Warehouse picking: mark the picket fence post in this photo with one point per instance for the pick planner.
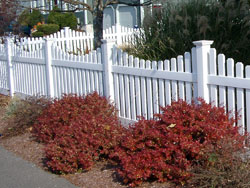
(8, 47)
(202, 60)
(49, 71)
(107, 53)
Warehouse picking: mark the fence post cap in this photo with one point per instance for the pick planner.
(203, 42)
(104, 41)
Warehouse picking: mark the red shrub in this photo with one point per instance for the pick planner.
(167, 147)
(78, 131)
(59, 114)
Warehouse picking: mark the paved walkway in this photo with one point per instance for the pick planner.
(18, 173)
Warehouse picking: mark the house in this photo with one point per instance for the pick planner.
(129, 16)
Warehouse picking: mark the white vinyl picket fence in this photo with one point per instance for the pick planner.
(136, 86)
(78, 42)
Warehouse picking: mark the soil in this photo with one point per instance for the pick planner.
(102, 175)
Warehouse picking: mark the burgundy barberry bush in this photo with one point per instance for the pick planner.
(78, 131)
(166, 148)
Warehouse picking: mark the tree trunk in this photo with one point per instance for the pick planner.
(98, 27)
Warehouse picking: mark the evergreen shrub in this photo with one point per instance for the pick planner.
(38, 34)
(47, 29)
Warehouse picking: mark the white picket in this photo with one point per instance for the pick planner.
(29, 45)
(99, 61)
(188, 87)
(58, 81)
(74, 42)
(126, 86)
(181, 84)
(231, 90)
(25, 72)
(37, 80)
(143, 91)
(39, 75)
(91, 74)
(155, 90)
(122, 90)
(16, 74)
(22, 78)
(79, 82)
(75, 74)
(194, 70)
(222, 73)
(213, 71)
(240, 99)
(32, 77)
(137, 90)
(116, 81)
(43, 80)
(96, 79)
(149, 92)
(55, 76)
(167, 84)
(70, 49)
(84, 89)
(174, 82)
(132, 90)
(87, 75)
(65, 80)
(161, 86)
(71, 80)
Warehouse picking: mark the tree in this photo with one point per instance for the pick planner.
(97, 10)
(8, 14)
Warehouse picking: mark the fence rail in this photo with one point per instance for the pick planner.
(137, 87)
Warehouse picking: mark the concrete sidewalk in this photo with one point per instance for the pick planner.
(18, 173)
